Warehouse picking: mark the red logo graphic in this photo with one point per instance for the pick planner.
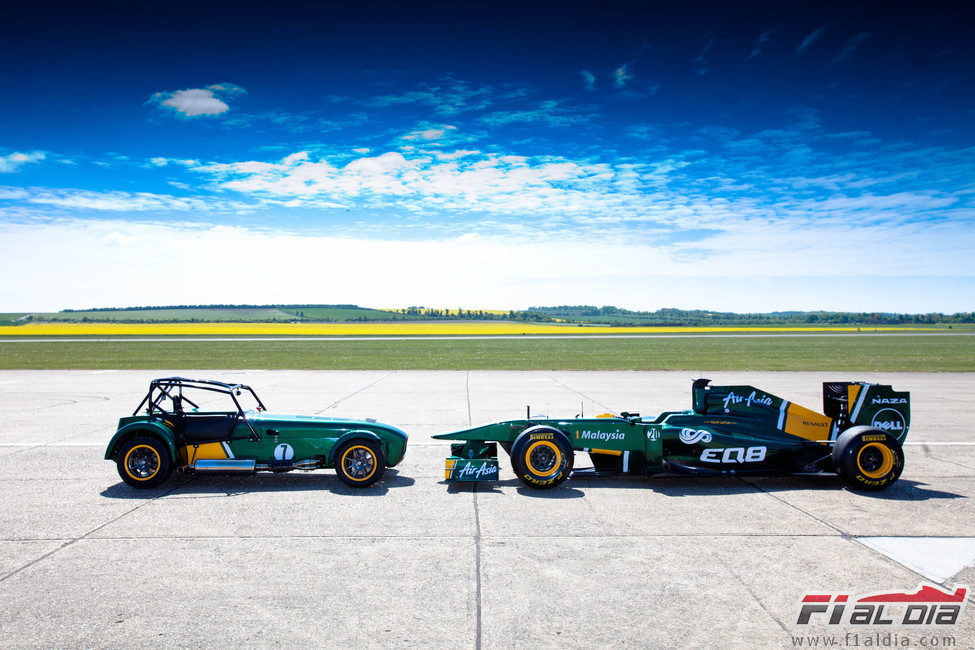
(928, 605)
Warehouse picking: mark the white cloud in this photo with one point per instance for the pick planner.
(14, 161)
(446, 97)
(463, 180)
(810, 39)
(429, 134)
(550, 113)
(114, 201)
(850, 47)
(763, 267)
(621, 75)
(195, 102)
(159, 161)
(588, 80)
(762, 40)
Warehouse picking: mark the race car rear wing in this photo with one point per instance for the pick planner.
(875, 405)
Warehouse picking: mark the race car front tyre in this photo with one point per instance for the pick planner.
(143, 462)
(542, 457)
(868, 459)
(360, 463)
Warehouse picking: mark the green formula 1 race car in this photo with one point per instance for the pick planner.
(729, 430)
(201, 427)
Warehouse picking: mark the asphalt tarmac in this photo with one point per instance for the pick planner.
(301, 560)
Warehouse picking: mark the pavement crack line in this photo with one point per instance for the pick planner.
(852, 539)
(88, 534)
(354, 393)
(751, 593)
(569, 388)
(477, 529)
(60, 441)
(467, 387)
(477, 567)
(842, 534)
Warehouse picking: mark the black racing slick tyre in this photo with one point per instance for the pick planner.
(542, 457)
(143, 462)
(868, 459)
(360, 463)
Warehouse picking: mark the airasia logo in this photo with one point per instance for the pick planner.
(888, 420)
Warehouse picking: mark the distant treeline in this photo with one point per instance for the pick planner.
(582, 314)
(220, 306)
(678, 317)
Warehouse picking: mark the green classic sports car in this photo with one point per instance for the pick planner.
(201, 427)
(728, 430)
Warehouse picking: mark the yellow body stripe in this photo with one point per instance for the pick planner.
(852, 392)
(206, 451)
(800, 421)
(608, 452)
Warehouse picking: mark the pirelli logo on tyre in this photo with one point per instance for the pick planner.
(542, 436)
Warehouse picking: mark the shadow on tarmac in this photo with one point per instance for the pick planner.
(232, 485)
(688, 487)
(902, 490)
(911, 491)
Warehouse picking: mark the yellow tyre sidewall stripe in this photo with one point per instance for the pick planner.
(125, 464)
(885, 468)
(556, 466)
(375, 462)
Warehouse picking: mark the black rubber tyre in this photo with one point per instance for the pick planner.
(143, 462)
(542, 457)
(360, 463)
(868, 459)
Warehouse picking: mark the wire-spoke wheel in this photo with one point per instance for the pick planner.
(143, 462)
(360, 463)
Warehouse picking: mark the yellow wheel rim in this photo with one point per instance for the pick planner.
(875, 460)
(142, 462)
(543, 458)
(359, 463)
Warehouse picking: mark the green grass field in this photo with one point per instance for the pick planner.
(214, 315)
(922, 353)
(10, 319)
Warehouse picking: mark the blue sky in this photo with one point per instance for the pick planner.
(736, 156)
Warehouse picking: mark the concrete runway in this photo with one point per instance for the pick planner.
(300, 560)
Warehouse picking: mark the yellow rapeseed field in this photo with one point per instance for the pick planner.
(375, 329)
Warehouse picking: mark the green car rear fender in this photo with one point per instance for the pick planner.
(144, 428)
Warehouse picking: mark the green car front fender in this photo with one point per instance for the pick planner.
(153, 429)
(354, 435)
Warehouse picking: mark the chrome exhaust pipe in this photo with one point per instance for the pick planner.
(301, 464)
(230, 466)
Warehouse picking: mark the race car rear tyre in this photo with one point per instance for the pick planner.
(867, 458)
(542, 457)
(143, 462)
(360, 463)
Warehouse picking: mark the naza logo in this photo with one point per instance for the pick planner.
(927, 606)
(888, 420)
(888, 400)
